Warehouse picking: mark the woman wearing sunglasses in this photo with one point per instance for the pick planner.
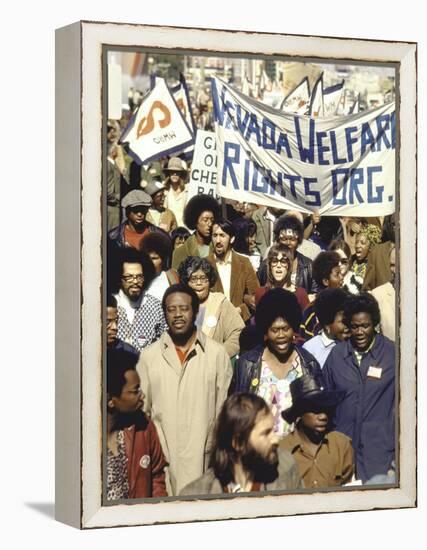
(351, 282)
(279, 275)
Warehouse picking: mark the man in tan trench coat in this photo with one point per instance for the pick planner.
(185, 377)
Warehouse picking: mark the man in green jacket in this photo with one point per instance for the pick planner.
(199, 214)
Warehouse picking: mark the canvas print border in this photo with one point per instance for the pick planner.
(79, 439)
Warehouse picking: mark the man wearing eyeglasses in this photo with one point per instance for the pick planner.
(140, 316)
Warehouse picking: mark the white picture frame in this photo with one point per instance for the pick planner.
(79, 270)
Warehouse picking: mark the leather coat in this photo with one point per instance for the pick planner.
(247, 370)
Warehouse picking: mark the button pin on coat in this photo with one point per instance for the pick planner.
(145, 461)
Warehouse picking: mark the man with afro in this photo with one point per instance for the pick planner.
(199, 215)
(327, 274)
(329, 309)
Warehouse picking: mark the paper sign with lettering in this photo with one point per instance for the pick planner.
(158, 127)
(203, 176)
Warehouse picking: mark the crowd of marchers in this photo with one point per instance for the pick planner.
(248, 348)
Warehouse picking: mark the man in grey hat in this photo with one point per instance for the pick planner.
(157, 213)
(324, 457)
(131, 232)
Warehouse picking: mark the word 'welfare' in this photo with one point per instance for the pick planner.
(318, 147)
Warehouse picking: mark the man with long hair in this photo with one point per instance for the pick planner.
(236, 278)
(245, 456)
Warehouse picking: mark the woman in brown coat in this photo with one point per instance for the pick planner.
(217, 317)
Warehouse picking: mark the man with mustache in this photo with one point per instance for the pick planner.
(185, 376)
(140, 317)
(236, 279)
(245, 456)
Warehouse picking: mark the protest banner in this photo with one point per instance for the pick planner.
(297, 100)
(158, 127)
(355, 107)
(316, 108)
(343, 166)
(274, 98)
(247, 86)
(332, 98)
(182, 98)
(203, 178)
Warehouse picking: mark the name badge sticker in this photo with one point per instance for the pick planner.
(375, 372)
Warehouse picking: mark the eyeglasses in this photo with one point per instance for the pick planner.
(129, 278)
(176, 173)
(195, 279)
(282, 261)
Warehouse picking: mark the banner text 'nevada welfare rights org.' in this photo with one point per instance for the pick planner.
(339, 166)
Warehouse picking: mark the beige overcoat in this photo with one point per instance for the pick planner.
(184, 401)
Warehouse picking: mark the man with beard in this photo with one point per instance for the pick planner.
(245, 456)
(140, 316)
(185, 376)
(236, 277)
(324, 457)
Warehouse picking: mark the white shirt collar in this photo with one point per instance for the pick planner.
(269, 216)
(326, 340)
(227, 259)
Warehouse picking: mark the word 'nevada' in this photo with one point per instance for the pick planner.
(332, 147)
